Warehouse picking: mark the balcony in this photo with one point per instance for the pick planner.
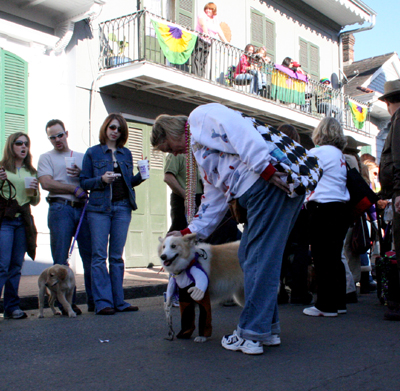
(131, 55)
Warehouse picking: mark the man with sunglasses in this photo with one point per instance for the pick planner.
(66, 201)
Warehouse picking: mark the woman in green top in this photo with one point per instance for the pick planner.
(17, 231)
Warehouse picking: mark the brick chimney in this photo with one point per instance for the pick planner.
(348, 42)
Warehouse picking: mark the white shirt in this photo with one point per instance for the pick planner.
(332, 186)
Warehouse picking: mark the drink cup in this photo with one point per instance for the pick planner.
(144, 168)
(29, 192)
(70, 163)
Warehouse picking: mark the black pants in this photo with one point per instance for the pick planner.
(329, 223)
(178, 218)
(394, 288)
(200, 55)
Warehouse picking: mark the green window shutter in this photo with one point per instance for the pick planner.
(309, 58)
(270, 38)
(13, 95)
(185, 13)
(257, 28)
(303, 55)
(314, 61)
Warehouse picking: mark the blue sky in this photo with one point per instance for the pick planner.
(385, 36)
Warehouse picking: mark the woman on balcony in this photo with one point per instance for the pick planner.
(207, 24)
(263, 60)
(246, 71)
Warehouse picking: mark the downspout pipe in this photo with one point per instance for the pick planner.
(354, 31)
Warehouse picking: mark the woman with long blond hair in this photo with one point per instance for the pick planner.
(17, 231)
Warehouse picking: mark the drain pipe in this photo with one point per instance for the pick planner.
(354, 31)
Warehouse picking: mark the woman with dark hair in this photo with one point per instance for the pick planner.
(287, 62)
(246, 70)
(107, 172)
(17, 231)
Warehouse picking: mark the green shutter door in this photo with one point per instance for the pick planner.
(304, 56)
(314, 62)
(257, 28)
(13, 96)
(149, 221)
(185, 13)
(270, 39)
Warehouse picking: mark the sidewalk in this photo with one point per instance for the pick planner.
(138, 283)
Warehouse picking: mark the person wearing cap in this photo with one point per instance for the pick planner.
(324, 101)
(389, 177)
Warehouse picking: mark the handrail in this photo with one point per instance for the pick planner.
(132, 38)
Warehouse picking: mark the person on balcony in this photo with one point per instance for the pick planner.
(246, 71)
(263, 60)
(324, 101)
(208, 24)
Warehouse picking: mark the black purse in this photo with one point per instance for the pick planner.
(8, 205)
(361, 195)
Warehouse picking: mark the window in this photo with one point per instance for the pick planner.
(185, 13)
(309, 58)
(13, 96)
(263, 32)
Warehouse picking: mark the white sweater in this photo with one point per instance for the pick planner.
(332, 186)
(231, 155)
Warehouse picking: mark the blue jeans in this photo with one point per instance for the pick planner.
(109, 229)
(12, 253)
(63, 221)
(244, 78)
(271, 215)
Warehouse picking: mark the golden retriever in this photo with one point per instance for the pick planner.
(60, 281)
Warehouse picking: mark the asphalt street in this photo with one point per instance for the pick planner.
(127, 351)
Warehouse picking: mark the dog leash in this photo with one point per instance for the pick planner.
(77, 232)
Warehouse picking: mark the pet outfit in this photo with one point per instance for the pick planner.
(194, 275)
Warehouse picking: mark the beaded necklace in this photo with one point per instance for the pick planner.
(191, 177)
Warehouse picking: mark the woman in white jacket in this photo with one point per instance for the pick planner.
(235, 163)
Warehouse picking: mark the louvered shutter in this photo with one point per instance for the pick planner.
(257, 28)
(309, 58)
(270, 38)
(185, 13)
(13, 95)
(135, 143)
(314, 61)
(303, 55)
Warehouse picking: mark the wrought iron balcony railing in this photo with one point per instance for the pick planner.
(134, 38)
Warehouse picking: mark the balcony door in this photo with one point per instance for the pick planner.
(149, 221)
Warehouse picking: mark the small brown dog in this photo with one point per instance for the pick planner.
(60, 280)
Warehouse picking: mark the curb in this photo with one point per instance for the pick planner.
(131, 292)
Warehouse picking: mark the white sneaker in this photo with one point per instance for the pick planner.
(273, 340)
(313, 311)
(235, 343)
(342, 311)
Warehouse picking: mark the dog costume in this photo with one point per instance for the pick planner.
(194, 275)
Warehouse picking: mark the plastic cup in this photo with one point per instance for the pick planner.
(70, 163)
(144, 168)
(29, 192)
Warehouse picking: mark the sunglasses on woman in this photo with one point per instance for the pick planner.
(59, 135)
(20, 143)
(115, 127)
